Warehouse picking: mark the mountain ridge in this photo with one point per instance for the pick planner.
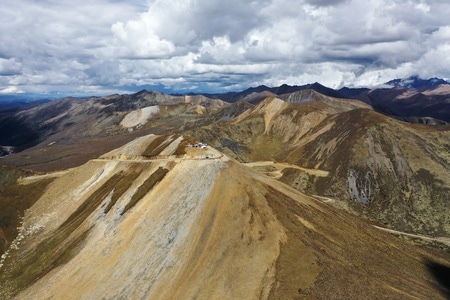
(164, 220)
(369, 158)
(429, 105)
(150, 194)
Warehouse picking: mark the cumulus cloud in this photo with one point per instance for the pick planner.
(209, 45)
(325, 2)
(11, 90)
(52, 43)
(9, 67)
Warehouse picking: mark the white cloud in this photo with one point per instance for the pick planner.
(181, 44)
(140, 41)
(11, 90)
(9, 67)
(325, 2)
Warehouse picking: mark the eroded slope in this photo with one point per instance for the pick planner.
(159, 218)
(393, 172)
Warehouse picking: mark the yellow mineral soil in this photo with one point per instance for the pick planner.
(199, 100)
(39, 177)
(182, 224)
(172, 244)
(139, 116)
(280, 166)
(269, 108)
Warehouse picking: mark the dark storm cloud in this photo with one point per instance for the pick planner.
(102, 45)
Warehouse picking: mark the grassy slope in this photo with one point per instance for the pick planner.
(392, 172)
(208, 228)
(14, 200)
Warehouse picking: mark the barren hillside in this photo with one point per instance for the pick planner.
(68, 132)
(161, 218)
(390, 171)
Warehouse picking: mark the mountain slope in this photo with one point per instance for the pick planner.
(392, 172)
(257, 92)
(68, 132)
(102, 115)
(413, 100)
(232, 111)
(159, 218)
(310, 95)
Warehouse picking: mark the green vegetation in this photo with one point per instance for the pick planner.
(52, 252)
(157, 145)
(61, 246)
(90, 204)
(300, 180)
(8, 176)
(120, 187)
(148, 184)
(14, 200)
(181, 150)
(15, 132)
(297, 266)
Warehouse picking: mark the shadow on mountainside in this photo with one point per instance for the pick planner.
(442, 274)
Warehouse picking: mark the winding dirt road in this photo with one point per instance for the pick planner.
(442, 240)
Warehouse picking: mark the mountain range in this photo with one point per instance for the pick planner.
(411, 99)
(283, 193)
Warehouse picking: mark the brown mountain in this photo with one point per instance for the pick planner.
(408, 104)
(274, 212)
(254, 92)
(423, 101)
(159, 218)
(68, 132)
(390, 171)
(232, 111)
(393, 172)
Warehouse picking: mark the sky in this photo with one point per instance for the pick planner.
(100, 47)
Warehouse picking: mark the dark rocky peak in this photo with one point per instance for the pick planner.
(233, 110)
(258, 89)
(415, 82)
(325, 90)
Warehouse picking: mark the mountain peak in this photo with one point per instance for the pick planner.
(417, 83)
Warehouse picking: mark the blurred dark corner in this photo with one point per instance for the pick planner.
(442, 275)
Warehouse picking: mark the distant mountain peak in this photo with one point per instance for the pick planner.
(417, 83)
